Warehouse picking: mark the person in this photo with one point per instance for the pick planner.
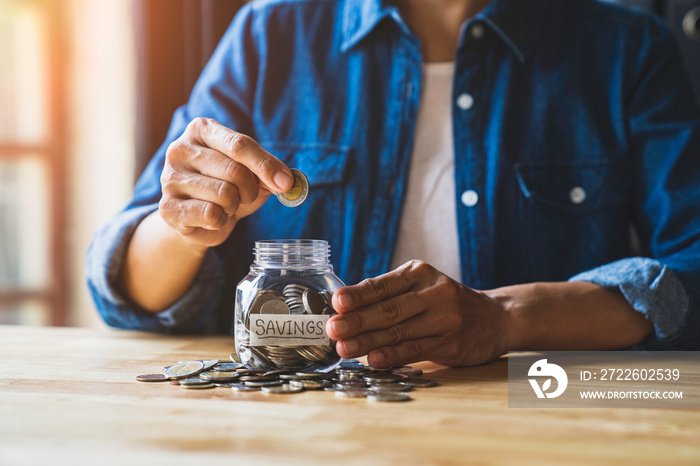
(510, 146)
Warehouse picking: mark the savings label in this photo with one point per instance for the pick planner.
(288, 330)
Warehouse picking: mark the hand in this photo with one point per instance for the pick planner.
(213, 177)
(416, 313)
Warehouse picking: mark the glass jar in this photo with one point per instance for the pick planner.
(282, 307)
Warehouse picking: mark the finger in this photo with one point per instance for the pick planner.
(405, 353)
(195, 186)
(216, 165)
(184, 215)
(381, 315)
(372, 290)
(245, 150)
(421, 326)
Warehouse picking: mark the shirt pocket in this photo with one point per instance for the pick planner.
(572, 216)
(323, 164)
(320, 216)
(575, 188)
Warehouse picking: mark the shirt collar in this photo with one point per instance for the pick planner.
(517, 22)
(360, 17)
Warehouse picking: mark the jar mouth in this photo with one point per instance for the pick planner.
(278, 243)
(292, 252)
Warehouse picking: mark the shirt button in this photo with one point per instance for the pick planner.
(478, 31)
(465, 101)
(470, 198)
(577, 195)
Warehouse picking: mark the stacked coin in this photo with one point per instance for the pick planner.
(294, 299)
(351, 379)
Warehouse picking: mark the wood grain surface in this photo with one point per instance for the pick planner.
(69, 396)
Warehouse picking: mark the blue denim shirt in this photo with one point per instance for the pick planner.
(581, 124)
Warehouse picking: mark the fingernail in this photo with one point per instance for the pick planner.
(351, 346)
(282, 180)
(345, 301)
(340, 327)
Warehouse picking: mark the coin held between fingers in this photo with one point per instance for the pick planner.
(298, 192)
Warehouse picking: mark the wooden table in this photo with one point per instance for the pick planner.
(69, 396)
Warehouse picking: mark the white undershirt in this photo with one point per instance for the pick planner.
(428, 229)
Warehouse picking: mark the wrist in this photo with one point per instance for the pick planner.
(175, 239)
(513, 302)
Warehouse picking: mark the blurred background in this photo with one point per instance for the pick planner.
(87, 90)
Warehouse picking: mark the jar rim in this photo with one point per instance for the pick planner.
(292, 252)
(291, 242)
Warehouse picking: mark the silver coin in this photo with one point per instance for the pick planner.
(234, 358)
(352, 393)
(358, 370)
(241, 387)
(419, 382)
(328, 298)
(388, 396)
(225, 384)
(299, 192)
(219, 376)
(312, 375)
(182, 370)
(310, 384)
(313, 303)
(193, 381)
(262, 383)
(356, 383)
(152, 378)
(276, 373)
(198, 387)
(294, 289)
(381, 377)
(291, 377)
(274, 307)
(392, 387)
(282, 390)
(260, 300)
(209, 364)
(228, 366)
(259, 378)
(407, 371)
(246, 371)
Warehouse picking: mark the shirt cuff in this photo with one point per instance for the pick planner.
(650, 287)
(104, 262)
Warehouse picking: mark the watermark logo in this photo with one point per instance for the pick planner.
(604, 379)
(542, 368)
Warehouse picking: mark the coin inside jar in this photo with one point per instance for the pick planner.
(299, 192)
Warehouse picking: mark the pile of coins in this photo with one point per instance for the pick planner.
(295, 299)
(351, 379)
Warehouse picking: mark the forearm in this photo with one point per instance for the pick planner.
(569, 316)
(160, 265)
